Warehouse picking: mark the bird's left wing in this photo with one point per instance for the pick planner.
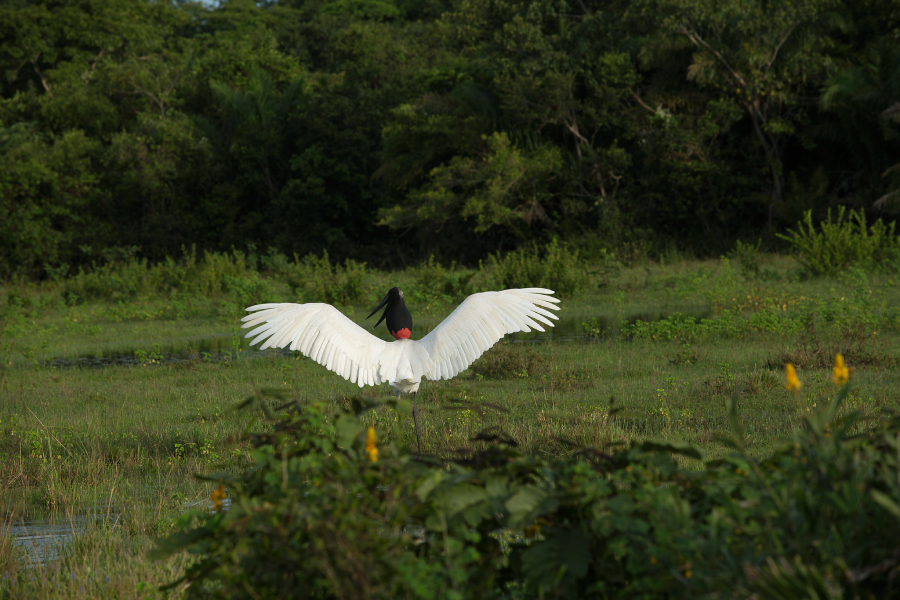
(321, 332)
(477, 324)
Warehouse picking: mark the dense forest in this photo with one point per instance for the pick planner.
(388, 130)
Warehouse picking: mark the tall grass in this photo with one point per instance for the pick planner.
(129, 438)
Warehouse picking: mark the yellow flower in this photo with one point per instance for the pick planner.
(793, 384)
(371, 450)
(841, 373)
(217, 497)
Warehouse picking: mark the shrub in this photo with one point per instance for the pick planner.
(553, 266)
(506, 361)
(315, 517)
(748, 257)
(129, 277)
(435, 283)
(320, 281)
(844, 242)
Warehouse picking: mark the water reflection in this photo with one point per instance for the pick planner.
(225, 348)
(43, 541)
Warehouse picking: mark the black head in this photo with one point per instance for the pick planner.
(393, 295)
(399, 321)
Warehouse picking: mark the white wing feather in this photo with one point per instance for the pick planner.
(323, 333)
(479, 323)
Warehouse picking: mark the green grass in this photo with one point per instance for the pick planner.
(126, 440)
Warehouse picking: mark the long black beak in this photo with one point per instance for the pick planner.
(377, 308)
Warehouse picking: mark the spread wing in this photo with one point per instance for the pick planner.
(321, 332)
(324, 334)
(478, 323)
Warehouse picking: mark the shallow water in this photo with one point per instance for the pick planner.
(214, 349)
(43, 541)
(224, 348)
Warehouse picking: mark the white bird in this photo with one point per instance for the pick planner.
(322, 333)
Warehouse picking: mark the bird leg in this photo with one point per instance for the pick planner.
(416, 424)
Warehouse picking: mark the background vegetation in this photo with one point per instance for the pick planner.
(388, 130)
(165, 164)
(120, 384)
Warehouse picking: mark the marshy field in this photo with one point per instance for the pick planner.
(120, 384)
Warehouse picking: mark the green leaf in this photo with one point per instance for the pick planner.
(348, 429)
(460, 497)
(567, 551)
(886, 502)
(427, 486)
(673, 448)
(525, 501)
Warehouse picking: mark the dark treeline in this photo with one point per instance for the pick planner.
(384, 130)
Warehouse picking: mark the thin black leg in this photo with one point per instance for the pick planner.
(416, 423)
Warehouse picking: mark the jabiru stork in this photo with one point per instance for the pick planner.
(322, 333)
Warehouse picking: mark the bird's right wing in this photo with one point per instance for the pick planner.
(321, 332)
(480, 322)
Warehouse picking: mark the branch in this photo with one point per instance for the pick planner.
(641, 102)
(780, 44)
(41, 75)
(692, 35)
(96, 60)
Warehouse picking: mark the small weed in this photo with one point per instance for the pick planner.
(724, 382)
(594, 329)
(817, 351)
(687, 355)
(748, 257)
(760, 381)
(153, 357)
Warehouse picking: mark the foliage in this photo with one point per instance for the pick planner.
(748, 257)
(317, 518)
(844, 242)
(505, 361)
(760, 55)
(320, 281)
(554, 266)
(380, 130)
(44, 188)
(435, 283)
(497, 190)
(125, 279)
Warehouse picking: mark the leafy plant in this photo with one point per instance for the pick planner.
(553, 266)
(748, 257)
(321, 281)
(436, 283)
(506, 361)
(322, 515)
(844, 242)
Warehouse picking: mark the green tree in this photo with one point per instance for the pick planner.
(44, 187)
(765, 55)
(866, 95)
(502, 188)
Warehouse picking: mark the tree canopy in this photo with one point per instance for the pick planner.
(384, 129)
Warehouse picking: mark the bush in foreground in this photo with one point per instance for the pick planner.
(316, 517)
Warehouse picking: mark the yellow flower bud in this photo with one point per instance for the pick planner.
(841, 372)
(371, 449)
(793, 384)
(217, 497)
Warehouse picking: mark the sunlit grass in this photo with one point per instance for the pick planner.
(126, 440)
